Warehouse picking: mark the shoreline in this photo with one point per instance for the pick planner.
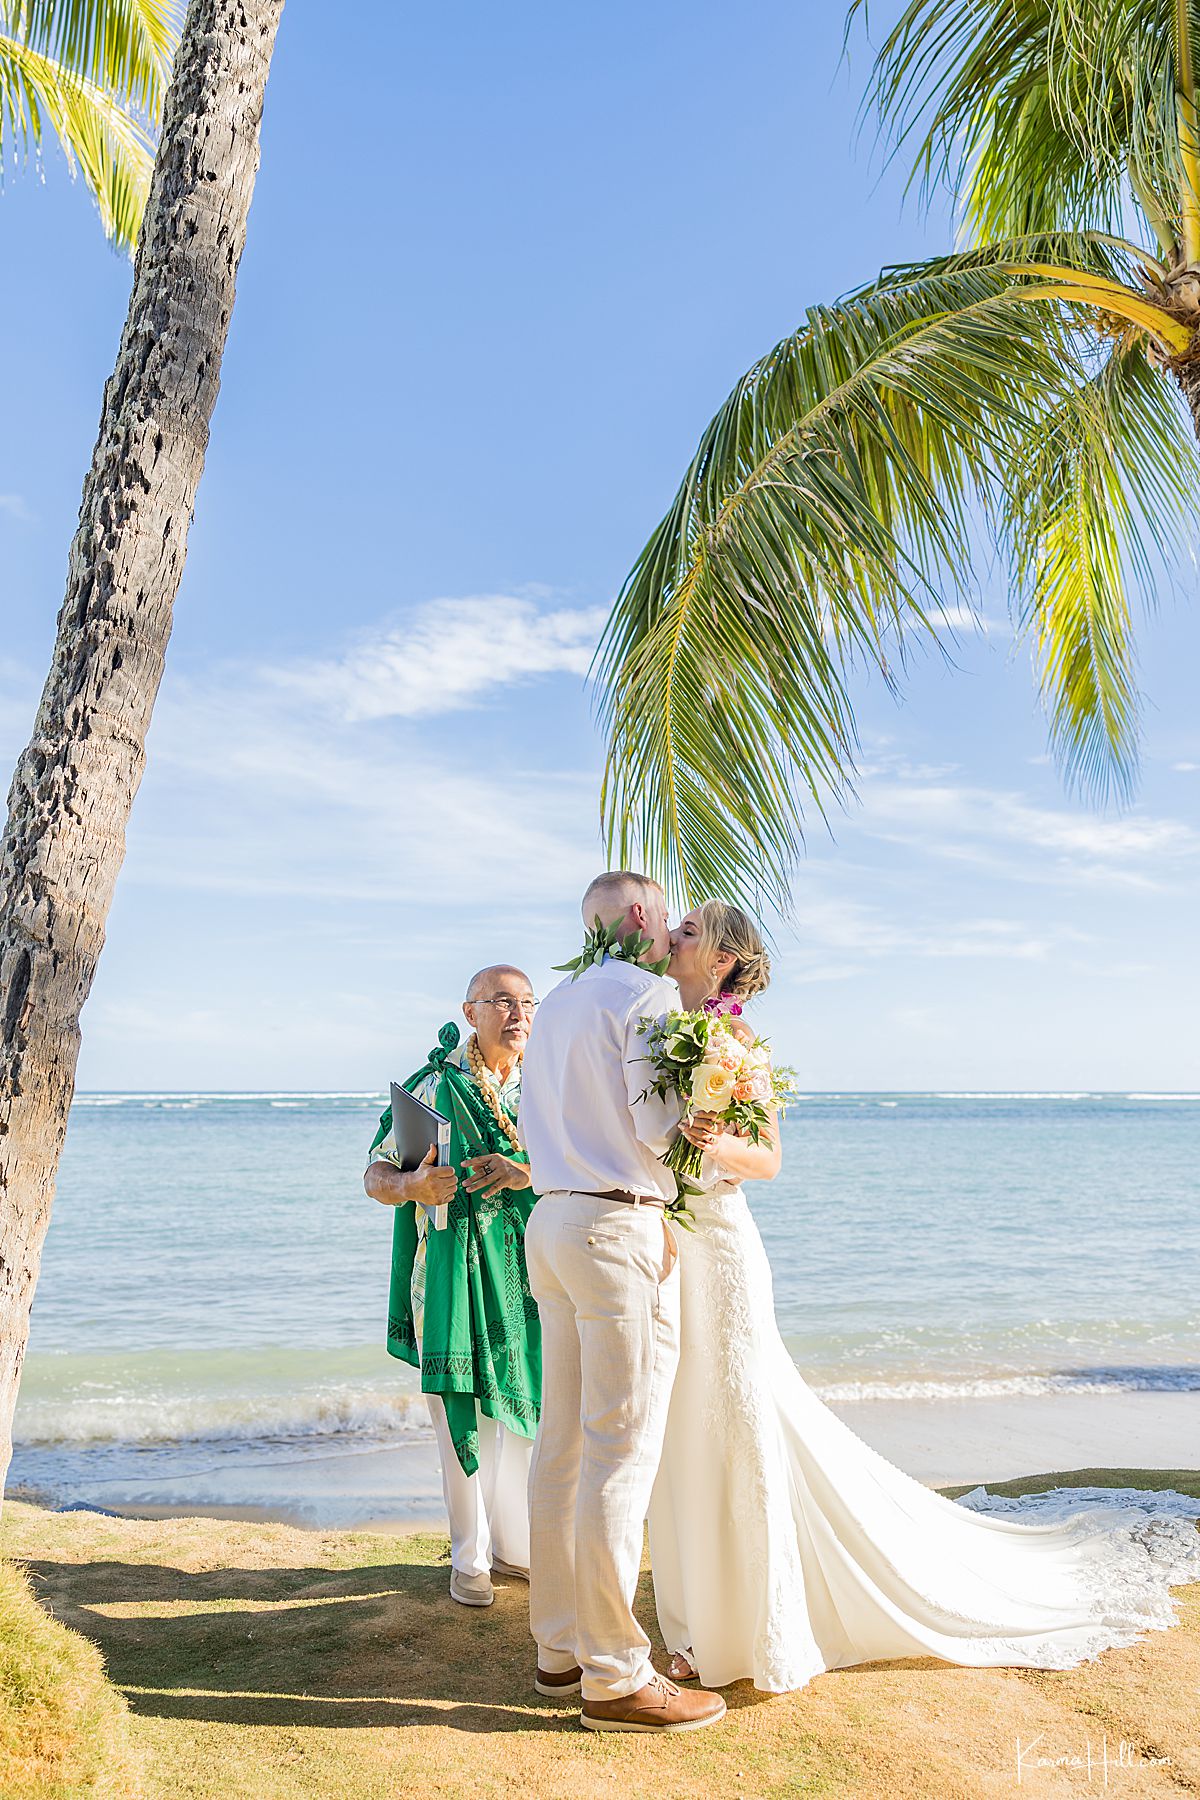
(397, 1488)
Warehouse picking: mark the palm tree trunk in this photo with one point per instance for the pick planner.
(75, 783)
(1188, 377)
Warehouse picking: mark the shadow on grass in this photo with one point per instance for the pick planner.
(367, 1647)
(377, 1646)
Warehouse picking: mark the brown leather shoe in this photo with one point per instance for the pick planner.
(565, 1681)
(659, 1706)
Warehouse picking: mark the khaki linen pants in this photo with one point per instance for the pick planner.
(606, 1280)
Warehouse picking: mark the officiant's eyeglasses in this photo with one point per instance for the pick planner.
(528, 1007)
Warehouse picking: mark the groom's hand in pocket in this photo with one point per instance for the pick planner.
(489, 1175)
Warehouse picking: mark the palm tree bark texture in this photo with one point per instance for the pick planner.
(75, 783)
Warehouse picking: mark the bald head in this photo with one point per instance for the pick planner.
(491, 980)
(499, 1009)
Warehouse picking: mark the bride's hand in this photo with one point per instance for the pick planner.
(702, 1129)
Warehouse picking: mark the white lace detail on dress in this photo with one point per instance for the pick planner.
(1146, 1543)
(738, 1297)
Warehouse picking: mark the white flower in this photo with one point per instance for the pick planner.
(726, 1049)
(712, 1087)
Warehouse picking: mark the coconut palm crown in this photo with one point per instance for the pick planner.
(1039, 386)
(93, 72)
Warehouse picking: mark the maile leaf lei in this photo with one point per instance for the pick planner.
(603, 940)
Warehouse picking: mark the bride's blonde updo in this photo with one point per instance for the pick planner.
(726, 930)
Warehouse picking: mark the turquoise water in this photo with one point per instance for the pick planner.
(214, 1281)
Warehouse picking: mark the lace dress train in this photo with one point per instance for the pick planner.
(783, 1545)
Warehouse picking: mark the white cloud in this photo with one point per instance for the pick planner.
(271, 794)
(1185, 768)
(986, 825)
(16, 507)
(966, 619)
(899, 768)
(831, 928)
(446, 656)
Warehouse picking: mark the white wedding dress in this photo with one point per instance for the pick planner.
(782, 1545)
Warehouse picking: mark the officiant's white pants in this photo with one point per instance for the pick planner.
(488, 1511)
(606, 1280)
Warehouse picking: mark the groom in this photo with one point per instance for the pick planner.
(602, 1268)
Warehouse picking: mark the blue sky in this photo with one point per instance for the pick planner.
(479, 328)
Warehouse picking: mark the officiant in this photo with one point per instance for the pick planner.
(459, 1307)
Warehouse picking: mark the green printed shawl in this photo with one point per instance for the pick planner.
(481, 1342)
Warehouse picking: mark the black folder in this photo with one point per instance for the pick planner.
(418, 1128)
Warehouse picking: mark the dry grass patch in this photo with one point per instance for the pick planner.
(63, 1727)
(264, 1663)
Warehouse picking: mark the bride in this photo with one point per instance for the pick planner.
(781, 1544)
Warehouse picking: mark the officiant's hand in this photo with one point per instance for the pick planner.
(703, 1129)
(429, 1184)
(490, 1175)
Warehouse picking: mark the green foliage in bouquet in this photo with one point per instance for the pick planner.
(682, 1043)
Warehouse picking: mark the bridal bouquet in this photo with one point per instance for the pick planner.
(697, 1056)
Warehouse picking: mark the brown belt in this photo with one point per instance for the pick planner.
(625, 1197)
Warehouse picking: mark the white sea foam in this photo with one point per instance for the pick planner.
(212, 1419)
(1172, 1380)
(1010, 1096)
(299, 1096)
(367, 1414)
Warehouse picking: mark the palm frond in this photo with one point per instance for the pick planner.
(1107, 479)
(830, 492)
(94, 72)
(115, 153)
(1039, 114)
(123, 46)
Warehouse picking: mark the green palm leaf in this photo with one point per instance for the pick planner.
(833, 486)
(1032, 382)
(95, 75)
(1039, 114)
(1108, 478)
(840, 486)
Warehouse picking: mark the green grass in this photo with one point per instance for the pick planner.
(1184, 1481)
(259, 1662)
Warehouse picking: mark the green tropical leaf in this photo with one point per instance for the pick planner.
(836, 473)
(1032, 382)
(95, 75)
(1040, 115)
(1109, 478)
(834, 495)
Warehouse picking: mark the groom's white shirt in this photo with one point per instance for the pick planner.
(583, 1119)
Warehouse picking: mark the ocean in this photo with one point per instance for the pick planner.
(213, 1290)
